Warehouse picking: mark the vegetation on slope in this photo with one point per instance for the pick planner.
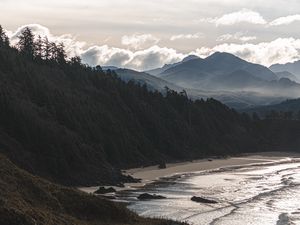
(29, 200)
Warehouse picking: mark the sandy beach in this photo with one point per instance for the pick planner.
(153, 173)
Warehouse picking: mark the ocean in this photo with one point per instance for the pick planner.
(256, 194)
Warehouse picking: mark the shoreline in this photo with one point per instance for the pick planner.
(153, 173)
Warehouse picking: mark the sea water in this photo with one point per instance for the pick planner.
(258, 194)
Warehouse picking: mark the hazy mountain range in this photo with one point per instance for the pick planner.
(223, 76)
(292, 106)
(291, 68)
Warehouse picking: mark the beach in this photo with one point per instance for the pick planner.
(265, 185)
(250, 189)
(153, 173)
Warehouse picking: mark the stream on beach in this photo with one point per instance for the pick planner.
(260, 194)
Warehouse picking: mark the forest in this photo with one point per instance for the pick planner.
(78, 125)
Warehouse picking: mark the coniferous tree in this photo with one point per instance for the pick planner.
(53, 51)
(2, 33)
(61, 54)
(46, 49)
(26, 43)
(76, 60)
(39, 47)
(4, 40)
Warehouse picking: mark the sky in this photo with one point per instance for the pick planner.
(145, 34)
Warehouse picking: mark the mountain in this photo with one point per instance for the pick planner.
(225, 72)
(153, 83)
(157, 71)
(223, 76)
(293, 68)
(238, 99)
(291, 105)
(29, 200)
(285, 74)
(112, 68)
(217, 64)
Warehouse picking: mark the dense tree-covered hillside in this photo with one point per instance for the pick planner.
(75, 124)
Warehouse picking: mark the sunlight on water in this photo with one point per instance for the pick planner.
(257, 194)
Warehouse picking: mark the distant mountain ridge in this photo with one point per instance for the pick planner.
(219, 63)
(223, 76)
(158, 71)
(286, 74)
(291, 105)
(293, 68)
(153, 83)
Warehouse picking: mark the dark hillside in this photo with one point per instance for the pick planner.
(29, 200)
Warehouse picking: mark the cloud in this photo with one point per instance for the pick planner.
(186, 36)
(242, 16)
(143, 59)
(281, 50)
(239, 36)
(285, 20)
(139, 41)
(146, 59)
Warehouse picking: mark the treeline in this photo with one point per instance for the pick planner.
(282, 115)
(78, 125)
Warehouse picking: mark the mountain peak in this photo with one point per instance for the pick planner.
(190, 57)
(222, 55)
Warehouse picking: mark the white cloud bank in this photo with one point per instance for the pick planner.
(239, 36)
(146, 59)
(139, 41)
(281, 50)
(242, 16)
(285, 20)
(251, 17)
(186, 36)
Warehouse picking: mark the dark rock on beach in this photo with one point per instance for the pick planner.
(203, 200)
(103, 190)
(162, 165)
(147, 196)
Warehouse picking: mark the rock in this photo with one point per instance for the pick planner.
(203, 200)
(162, 165)
(109, 197)
(130, 179)
(103, 190)
(147, 196)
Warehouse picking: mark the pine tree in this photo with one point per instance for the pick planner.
(4, 40)
(46, 49)
(53, 51)
(39, 48)
(61, 54)
(26, 43)
(76, 60)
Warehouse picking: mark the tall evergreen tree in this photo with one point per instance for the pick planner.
(76, 60)
(4, 41)
(39, 48)
(46, 49)
(26, 43)
(61, 53)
